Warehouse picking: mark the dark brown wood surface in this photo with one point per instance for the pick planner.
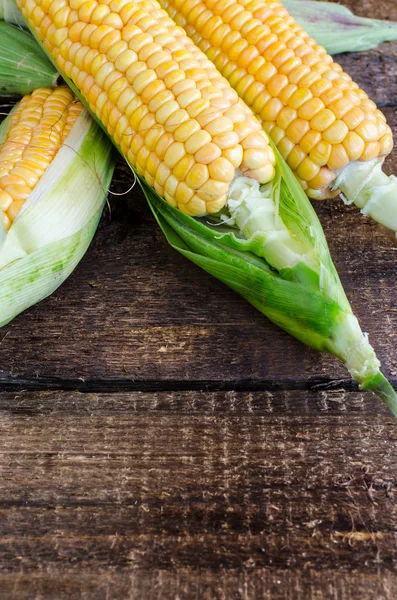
(160, 440)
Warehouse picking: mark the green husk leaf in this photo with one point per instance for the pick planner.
(337, 29)
(300, 307)
(301, 311)
(23, 66)
(53, 230)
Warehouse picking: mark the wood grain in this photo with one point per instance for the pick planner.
(184, 495)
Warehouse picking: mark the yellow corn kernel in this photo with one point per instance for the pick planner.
(234, 154)
(196, 206)
(285, 117)
(320, 154)
(183, 193)
(197, 140)
(354, 145)
(338, 158)
(308, 169)
(208, 153)
(368, 131)
(371, 151)
(197, 176)
(295, 158)
(285, 147)
(297, 130)
(271, 110)
(310, 109)
(221, 169)
(183, 166)
(336, 133)
(324, 178)
(386, 144)
(323, 120)
(212, 189)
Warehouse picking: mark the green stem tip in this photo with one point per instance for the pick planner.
(382, 388)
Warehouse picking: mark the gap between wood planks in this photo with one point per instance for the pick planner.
(93, 385)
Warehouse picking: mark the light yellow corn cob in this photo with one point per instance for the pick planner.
(174, 117)
(38, 128)
(318, 118)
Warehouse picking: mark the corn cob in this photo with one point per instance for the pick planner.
(53, 183)
(326, 128)
(184, 131)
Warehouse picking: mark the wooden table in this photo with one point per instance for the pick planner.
(161, 440)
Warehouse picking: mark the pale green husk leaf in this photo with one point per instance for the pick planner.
(337, 29)
(10, 13)
(23, 66)
(52, 232)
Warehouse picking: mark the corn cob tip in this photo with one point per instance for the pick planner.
(55, 168)
(36, 130)
(318, 118)
(379, 385)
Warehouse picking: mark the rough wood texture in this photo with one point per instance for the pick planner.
(212, 457)
(197, 495)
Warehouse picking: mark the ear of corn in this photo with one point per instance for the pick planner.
(319, 119)
(260, 234)
(336, 28)
(23, 66)
(51, 196)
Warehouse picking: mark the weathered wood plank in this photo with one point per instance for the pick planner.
(376, 9)
(197, 495)
(185, 584)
